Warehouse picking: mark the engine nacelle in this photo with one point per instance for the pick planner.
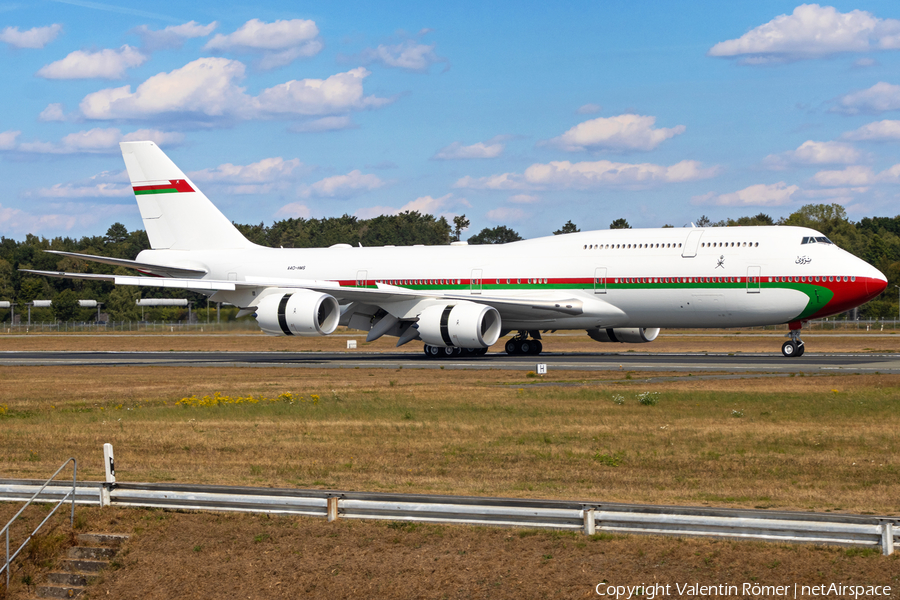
(461, 324)
(629, 335)
(300, 312)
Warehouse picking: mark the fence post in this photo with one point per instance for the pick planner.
(332, 508)
(590, 527)
(887, 538)
(110, 466)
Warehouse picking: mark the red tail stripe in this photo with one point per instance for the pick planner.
(180, 185)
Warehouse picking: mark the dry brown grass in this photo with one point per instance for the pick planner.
(809, 443)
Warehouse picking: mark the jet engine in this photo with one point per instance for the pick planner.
(461, 324)
(300, 312)
(629, 335)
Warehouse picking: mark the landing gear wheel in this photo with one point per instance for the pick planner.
(432, 351)
(538, 347)
(794, 347)
(512, 347)
(448, 352)
(526, 347)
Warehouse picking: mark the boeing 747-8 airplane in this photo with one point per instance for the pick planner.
(618, 285)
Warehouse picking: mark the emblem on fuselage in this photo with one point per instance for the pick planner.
(803, 260)
(721, 262)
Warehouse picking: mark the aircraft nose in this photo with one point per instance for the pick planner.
(876, 283)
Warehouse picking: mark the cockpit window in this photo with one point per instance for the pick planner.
(816, 240)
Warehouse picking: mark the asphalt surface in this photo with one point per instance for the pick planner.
(631, 361)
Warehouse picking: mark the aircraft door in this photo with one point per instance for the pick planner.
(361, 277)
(692, 243)
(753, 280)
(475, 285)
(600, 280)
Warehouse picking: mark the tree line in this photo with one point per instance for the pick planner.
(874, 239)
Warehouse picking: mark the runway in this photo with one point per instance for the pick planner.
(630, 361)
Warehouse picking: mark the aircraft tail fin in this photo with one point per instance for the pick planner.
(176, 214)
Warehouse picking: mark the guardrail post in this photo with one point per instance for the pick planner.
(887, 538)
(332, 508)
(110, 466)
(590, 526)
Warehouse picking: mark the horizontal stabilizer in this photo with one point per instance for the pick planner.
(162, 270)
(170, 282)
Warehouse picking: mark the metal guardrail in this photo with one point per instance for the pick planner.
(39, 494)
(591, 518)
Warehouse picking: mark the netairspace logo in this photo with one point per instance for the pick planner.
(747, 590)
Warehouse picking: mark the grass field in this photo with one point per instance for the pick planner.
(810, 443)
(823, 443)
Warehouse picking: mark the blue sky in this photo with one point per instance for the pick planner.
(519, 114)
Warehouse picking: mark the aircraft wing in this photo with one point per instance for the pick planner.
(383, 294)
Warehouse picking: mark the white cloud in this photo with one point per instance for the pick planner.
(879, 131)
(814, 153)
(589, 109)
(456, 151)
(208, 89)
(620, 133)
(294, 210)
(879, 98)
(506, 214)
(343, 186)
(105, 64)
(441, 206)
(410, 55)
(100, 141)
(811, 31)
(53, 112)
(524, 199)
(340, 93)
(69, 216)
(72, 190)
(36, 37)
(776, 194)
(590, 175)
(206, 86)
(324, 124)
(8, 139)
(262, 177)
(268, 170)
(280, 42)
(432, 206)
(173, 36)
(890, 175)
(853, 176)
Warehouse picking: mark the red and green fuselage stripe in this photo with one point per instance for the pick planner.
(173, 187)
(824, 298)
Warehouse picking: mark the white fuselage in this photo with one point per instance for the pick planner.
(691, 277)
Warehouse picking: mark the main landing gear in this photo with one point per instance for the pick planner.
(439, 352)
(794, 346)
(522, 345)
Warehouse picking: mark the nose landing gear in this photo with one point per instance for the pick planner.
(794, 346)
